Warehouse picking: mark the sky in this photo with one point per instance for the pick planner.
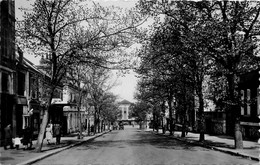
(127, 82)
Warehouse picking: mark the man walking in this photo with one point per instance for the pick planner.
(8, 137)
(57, 132)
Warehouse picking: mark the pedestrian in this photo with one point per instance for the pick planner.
(27, 135)
(17, 142)
(49, 134)
(85, 127)
(8, 137)
(92, 129)
(30, 131)
(57, 132)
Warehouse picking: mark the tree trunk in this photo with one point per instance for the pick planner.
(80, 125)
(95, 123)
(163, 130)
(99, 126)
(40, 138)
(79, 113)
(44, 123)
(234, 109)
(88, 127)
(184, 126)
(153, 121)
(238, 136)
(184, 115)
(102, 125)
(201, 114)
(170, 113)
(157, 123)
(202, 127)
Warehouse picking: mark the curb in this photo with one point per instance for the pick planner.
(210, 147)
(57, 150)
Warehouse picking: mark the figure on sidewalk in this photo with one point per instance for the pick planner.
(17, 142)
(85, 127)
(92, 129)
(57, 133)
(8, 137)
(27, 138)
(49, 134)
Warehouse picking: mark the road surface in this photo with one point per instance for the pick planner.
(133, 146)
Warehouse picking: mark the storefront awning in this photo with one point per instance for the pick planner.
(21, 100)
(64, 104)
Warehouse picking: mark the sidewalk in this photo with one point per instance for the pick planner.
(221, 143)
(21, 157)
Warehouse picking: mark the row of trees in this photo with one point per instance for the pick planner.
(193, 44)
(79, 41)
(93, 86)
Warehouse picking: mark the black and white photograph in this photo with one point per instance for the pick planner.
(129, 82)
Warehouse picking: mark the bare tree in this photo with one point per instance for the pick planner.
(53, 30)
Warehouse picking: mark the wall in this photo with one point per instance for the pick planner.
(215, 123)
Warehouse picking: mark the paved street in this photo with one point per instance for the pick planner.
(133, 146)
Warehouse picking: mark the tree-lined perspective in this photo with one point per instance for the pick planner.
(188, 44)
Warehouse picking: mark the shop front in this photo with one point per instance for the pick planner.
(21, 111)
(32, 118)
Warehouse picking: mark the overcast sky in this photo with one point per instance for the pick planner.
(127, 83)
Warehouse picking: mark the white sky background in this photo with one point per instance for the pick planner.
(126, 83)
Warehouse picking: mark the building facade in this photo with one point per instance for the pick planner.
(74, 117)
(218, 121)
(7, 66)
(250, 109)
(125, 111)
(24, 86)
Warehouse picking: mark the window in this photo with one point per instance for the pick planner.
(26, 121)
(21, 84)
(248, 101)
(5, 82)
(242, 102)
(33, 87)
(4, 42)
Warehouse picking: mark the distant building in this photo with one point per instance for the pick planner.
(125, 111)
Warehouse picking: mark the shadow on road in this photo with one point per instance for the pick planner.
(138, 139)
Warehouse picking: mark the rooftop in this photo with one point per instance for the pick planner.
(125, 102)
